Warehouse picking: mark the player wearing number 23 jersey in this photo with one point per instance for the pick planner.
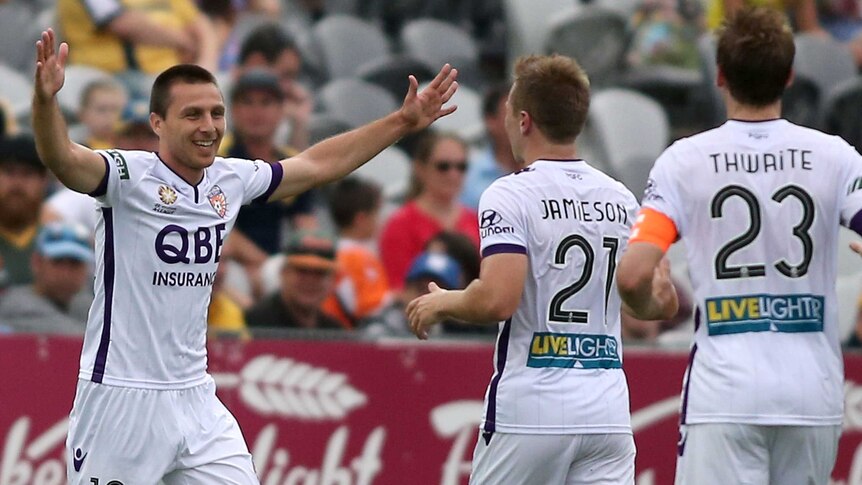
(758, 202)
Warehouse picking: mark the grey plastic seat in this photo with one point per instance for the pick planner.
(632, 131)
(16, 89)
(355, 102)
(390, 169)
(527, 24)
(436, 42)
(77, 78)
(824, 61)
(322, 126)
(596, 37)
(842, 112)
(344, 43)
(17, 46)
(466, 121)
(391, 73)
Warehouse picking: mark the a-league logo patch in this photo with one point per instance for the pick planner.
(167, 194)
(218, 200)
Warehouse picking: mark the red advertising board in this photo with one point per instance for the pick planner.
(349, 413)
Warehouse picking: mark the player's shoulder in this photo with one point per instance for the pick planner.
(234, 165)
(129, 164)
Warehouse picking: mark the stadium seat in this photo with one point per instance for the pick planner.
(15, 88)
(355, 102)
(824, 61)
(391, 73)
(17, 46)
(391, 170)
(436, 42)
(632, 130)
(842, 112)
(596, 37)
(527, 24)
(77, 78)
(801, 102)
(712, 104)
(321, 126)
(467, 120)
(345, 43)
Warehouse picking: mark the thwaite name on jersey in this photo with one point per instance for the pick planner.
(789, 159)
(583, 210)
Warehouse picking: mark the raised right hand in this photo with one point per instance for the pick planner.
(50, 66)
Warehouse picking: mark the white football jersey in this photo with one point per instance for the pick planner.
(558, 360)
(758, 205)
(158, 243)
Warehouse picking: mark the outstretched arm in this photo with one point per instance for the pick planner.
(76, 166)
(338, 156)
(644, 282)
(491, 298)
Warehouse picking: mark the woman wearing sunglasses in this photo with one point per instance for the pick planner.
(432, 206)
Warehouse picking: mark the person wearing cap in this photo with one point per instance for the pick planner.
(23, 183)
(56, 301)
(307, 278)
(256, 104)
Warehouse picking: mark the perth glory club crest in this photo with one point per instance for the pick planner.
(218, 200)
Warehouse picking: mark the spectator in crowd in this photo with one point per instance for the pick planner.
(101, 110)
(461, 248)
(224, 14)
(427, 267)
(270, 47)
(132, 132)
(495, 158)
(8, 126)
(145, 35)
(23, 183)
(361, 288)
(57, 300)
(256, 105)
(307, 277)
(225, 313)
(438, 177)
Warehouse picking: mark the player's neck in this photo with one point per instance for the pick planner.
(191, 175)
(744, 112)
(549, 151)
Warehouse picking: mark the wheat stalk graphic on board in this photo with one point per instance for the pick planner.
(287, 388)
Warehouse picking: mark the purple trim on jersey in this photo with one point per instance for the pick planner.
(194, 186)
(102, 189)
(684, 410)
(102, 353)
(856, 223)
(277, 175)
(503, 248)
(502, 352)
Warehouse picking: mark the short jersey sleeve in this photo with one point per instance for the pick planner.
(661, 193)
(851, 205)
(260, 179)
(122, 169)
(501, 222)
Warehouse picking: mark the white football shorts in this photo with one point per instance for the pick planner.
(130, 436)
(718, 454)
(564, 459)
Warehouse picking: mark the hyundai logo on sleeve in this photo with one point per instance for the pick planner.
(489, 218)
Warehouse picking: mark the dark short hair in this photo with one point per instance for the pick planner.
(160, 98)
(268, 40)
(755, 54)
(351, 196)
(555, 91)
(491, 100)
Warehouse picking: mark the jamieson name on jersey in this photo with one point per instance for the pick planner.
(584, 210)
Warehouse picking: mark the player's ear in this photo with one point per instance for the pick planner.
(156, 123)
(525, 122)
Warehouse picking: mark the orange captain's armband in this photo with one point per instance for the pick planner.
(654, 227)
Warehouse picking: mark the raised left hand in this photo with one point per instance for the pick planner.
(421, 109)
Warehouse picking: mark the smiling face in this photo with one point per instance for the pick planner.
(192, 129)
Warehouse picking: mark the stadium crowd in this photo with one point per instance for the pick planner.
(349, 256)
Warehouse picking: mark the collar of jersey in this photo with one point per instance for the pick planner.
(557, 160)
(770, 120)
(162, 171)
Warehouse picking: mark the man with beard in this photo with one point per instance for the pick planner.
(23, 181)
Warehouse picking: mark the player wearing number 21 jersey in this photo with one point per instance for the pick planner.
(758, 202)
(557, 406)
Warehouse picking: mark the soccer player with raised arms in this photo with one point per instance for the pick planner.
(557, 407)
(145, 408)
(758, 202)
